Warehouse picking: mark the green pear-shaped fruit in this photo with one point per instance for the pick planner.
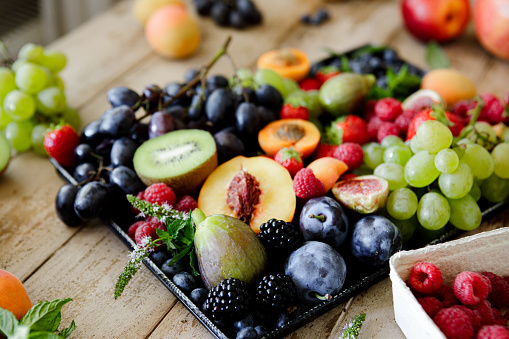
(227, 248)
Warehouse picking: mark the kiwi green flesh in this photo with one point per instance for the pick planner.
(5, 152)
(182, 159)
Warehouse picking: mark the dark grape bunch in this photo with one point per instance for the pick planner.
(235, 13)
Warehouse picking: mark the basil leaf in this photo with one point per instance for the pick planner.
(436, 57)
(42, 316)
(8, 322)
(42, 335)
(67, 331)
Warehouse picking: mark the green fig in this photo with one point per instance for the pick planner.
(227, 248)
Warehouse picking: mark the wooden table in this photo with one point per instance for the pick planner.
(55, 261)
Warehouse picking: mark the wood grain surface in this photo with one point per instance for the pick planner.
(55, 261)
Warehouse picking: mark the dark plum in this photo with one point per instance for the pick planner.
(122, 152)
(323, 219)
(228, 146)
(118, 96)
(92, 134)
(217, 81)
(269, 97)
(316, 269)
(198, 296)
(64, 204)
(91, 200)
(84, 171)
(219, 107)
(247, 121)
(220, 13)
(185, 281)
(84, 153)
(126, 179)
(117, 121)
(374, 240)
(160, 123)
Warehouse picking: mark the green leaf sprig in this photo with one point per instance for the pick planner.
(354, 329)
(178, 238)
(435, 56)
(41, 321)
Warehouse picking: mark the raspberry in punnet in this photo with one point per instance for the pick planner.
(446, 295)
(388, 109)
(474, 316)
(425, 278)
(431, 305)
(159, 193)
(306, 185)
(186, 203)
(351, 154)
(454, 323)
(493, 332)
(485, 311)
(471, 287)
(499, 296)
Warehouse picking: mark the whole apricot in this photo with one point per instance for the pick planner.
(491, 23)
(450, 84)
(13, 296)
(143, 9)
(172, 32)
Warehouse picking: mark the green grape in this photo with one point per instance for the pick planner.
(53, 60)
(393, 173)
(7, 82)
(460, 150)
(433, 136)
(495, 189)
(38, 134)
(505, 134)
(475, 192)
(391, 140)
(31, 78)
(465, 213)
(426, 236)
(447, 161)
(17, 64)
(290, 85)
(19, 105)
(245, 76)
(4, 118)
(479, 160)
(415, 146)
(482, 134)
(50, 101)
(406, 227)
(457, 184)
(420, 170)
(465, 141)
(269, 77)
(72, 117)
(398, 154)
(402, 203)
(362, 170)
(31, 52)
(373, 154)
(500, 156)
(19, 135)
(59, 82)
(433, 211)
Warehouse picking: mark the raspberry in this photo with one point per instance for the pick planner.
(147, 229)
(499, 296)
(485, 311)
(385, 129)
(388, 109)
(506, 316)
(132, 229)
(351, 154)
(369, 109)
(493, 332)
(474, 316)
(425, 278)
(325, 150)
(462, 107)
(160, 193)
(446, 295)
(372, 127)
(454, 323)
(499, 318)
(493, 108)
(186, 203)
(430, 305)
(403, 121)
(306, 185)
(471, 288)
(290, 112)
(309, 84)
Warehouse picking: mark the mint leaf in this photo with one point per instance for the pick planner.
(67, 331)
(43, 335)
(436, 57)
(21, 332)
(368, 50)
(354, 328)
(8, 322)
(42, 317)
(345, 67)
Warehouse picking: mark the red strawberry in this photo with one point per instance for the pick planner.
(452, 121)
(290, 159)
(290, 112)
(349, 128)
(325, 73)
(60, 144)
(324, 150)
(309, 84)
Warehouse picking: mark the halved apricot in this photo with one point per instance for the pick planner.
(328, 170)
(288, 62)
(302, 135)
(252, 189)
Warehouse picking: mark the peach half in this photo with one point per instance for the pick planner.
(253, 190)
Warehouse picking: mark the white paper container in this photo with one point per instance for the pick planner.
(487, 251)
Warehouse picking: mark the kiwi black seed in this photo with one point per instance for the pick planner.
(181, 159)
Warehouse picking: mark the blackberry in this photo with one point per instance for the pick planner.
(229, 300)
(279, 236)
(275, 292)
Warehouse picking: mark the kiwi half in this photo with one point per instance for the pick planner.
(181, 159)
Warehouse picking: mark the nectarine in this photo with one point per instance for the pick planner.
(13, 296)
(143, 9)
(450, 84)
(172, 32)
(491, 22)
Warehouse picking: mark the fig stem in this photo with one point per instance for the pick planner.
(320, 217)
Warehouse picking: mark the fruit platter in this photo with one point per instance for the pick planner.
(374, 72)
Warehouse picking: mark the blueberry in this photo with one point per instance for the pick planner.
(374, 240)
(84, 171)
(316, 269)
(260, 331)
(390, 55)
(323, 219)
(245, 321)
(198, 295)
(247, 333)
(185, 281)
(159, 257)
(171, 270)
(282, 320)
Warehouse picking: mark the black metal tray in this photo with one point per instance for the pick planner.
(357, 280)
